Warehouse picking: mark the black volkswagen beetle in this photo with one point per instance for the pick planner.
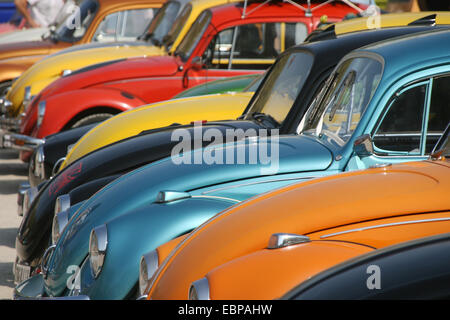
(418, 269)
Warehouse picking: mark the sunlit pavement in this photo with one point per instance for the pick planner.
(12, 173)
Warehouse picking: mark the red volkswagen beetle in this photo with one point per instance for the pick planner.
(228, 40)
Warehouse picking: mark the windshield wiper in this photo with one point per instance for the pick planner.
(265, 120)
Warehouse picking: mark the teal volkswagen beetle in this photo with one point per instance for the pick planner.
(384, 103)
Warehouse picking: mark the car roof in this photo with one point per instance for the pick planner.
(344, 43)
(413, 52)
(112, 3)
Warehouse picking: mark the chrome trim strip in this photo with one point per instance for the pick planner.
(216, 197)
(281, 240)
(384, 226)
(258, 182)
(29, 143)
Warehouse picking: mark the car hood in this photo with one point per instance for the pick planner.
(157, 115)
(25, 48)
(114, 70)
(305, 208)
(141, 187)
(33, 34)
(50, 69)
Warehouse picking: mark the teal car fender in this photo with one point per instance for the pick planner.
(140, 188)
(118, 278)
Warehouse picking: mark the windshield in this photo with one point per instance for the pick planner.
(194, 35)
(282, 86)
(179, 23)
(76, 25)
(338, 108)
(161, 24)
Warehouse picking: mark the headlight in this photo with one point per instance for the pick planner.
(60, 221)
(28, 198)
(39, 157)
(199, 290)
(5, 105)
(62, 203)
(41, 112)
(98, 242)
(147, 268)
(27, 96)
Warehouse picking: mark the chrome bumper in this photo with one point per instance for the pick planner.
(19, 141)
(9, 124)
(33, 289)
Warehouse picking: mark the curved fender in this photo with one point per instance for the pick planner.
(86, 190)
(134, 234)
(14, 68)
(62, 108)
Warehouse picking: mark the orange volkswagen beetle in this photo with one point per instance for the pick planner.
(306, 228)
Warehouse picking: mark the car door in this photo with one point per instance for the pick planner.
(246, 48)
(125, 25)
(411, 123)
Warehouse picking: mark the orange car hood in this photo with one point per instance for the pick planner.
(407, 188)
(29, 48)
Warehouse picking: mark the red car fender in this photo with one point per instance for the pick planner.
(57, 117)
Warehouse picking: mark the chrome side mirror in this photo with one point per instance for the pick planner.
(363, 146)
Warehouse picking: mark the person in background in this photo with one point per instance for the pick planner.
(33, 14)
(39, 13)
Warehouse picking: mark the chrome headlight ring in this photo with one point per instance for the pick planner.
(28, 199)
(39, 159)
(60, 221)
(27, 96)
(41, 113)
(147, 268)
(199, 290)
(5, 105)
(98, 242)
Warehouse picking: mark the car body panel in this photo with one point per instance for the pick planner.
(232, 84)
(160, 114)
(51, 68)
(426, 260)
(14, 53)
(269, 273)
(96, 210)
(279, 211)
(139, 76)
(297, 161)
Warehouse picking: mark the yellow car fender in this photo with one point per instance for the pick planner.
(161, 114)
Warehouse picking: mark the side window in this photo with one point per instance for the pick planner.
(439, 114)
(401, 128)
(124, 25)
(253, 46)
(296, 33)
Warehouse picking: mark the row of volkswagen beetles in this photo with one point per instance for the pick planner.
(219, 149)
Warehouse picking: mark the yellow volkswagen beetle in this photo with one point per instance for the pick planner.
(158, 41)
